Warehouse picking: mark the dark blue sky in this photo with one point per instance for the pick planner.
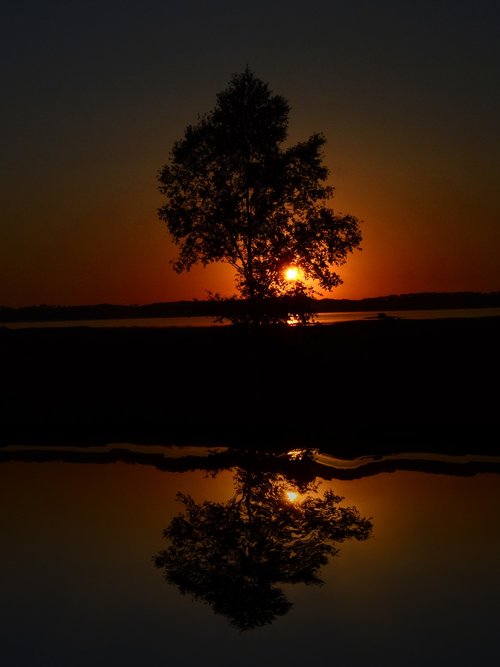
(95, 93)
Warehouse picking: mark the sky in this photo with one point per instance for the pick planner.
(95, 92)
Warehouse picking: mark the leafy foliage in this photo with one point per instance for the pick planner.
(234, 194)
(231, 555)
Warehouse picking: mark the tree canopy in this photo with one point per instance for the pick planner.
(273, 530)
(236, 193)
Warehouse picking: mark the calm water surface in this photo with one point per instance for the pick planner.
(204, 321)
(80, 586)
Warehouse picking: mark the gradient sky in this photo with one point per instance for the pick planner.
(94, 93)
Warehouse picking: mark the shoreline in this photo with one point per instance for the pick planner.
(207, 307)
(314, 464)
(327, 317)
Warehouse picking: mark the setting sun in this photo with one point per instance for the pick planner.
(292, 273)
(291, 496)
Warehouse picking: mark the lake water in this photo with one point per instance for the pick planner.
(204, 321)
(80, 586)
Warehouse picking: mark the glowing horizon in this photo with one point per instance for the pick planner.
(413, 160)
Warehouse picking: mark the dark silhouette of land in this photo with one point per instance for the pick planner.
(416, 301)
(308, 468)
(377, 383)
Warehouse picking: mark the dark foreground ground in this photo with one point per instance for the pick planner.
(394, 384)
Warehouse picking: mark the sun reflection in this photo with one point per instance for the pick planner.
(297, 454)
(291, 496)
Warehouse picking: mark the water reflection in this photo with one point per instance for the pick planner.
(275, 529)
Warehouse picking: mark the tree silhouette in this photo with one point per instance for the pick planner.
(232, 555)
(235, 195)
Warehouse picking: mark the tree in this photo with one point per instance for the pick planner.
(235, 194)
(272, 531)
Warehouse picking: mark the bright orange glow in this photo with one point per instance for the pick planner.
(291, 496)
(292, 273)
(296, 454)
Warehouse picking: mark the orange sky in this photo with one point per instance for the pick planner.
(406, 97)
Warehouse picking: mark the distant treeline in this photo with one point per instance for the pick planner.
(416, 301)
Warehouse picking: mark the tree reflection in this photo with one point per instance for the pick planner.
(271, 531)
